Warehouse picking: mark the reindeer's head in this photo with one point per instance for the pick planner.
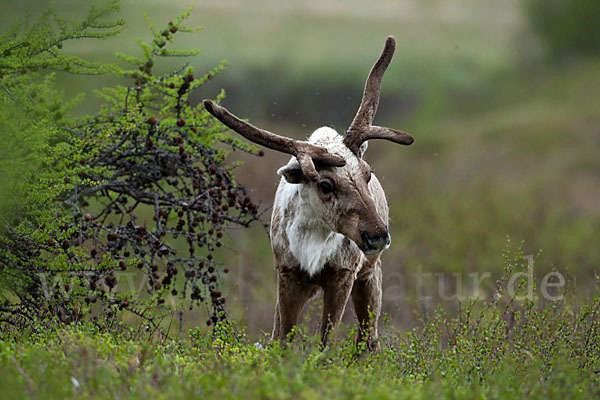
(331, 168)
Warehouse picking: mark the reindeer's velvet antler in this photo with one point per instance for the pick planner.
(361, 128)
(306, 153)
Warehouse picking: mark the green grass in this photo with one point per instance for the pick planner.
(498, 347)
(550, 353)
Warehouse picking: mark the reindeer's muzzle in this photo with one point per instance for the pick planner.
(374, 243)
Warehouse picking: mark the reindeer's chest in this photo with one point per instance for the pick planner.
(298, 241)
(313, 249)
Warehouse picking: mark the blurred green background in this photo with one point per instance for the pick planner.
(502, 97)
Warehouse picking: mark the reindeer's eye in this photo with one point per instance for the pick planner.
(325, 187)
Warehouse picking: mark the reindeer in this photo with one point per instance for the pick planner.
(329, 223)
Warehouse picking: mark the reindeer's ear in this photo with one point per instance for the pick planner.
(292, 173)
(362, 149)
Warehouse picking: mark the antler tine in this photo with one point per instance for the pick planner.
(360, 129)
(249, 131)
(370, 100)
(305, 152)
(394, 135)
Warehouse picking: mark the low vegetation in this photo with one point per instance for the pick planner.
(499, 348)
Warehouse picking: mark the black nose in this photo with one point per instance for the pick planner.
(377, 242)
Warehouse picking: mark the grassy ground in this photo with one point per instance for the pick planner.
(501, 347)
(522, 352)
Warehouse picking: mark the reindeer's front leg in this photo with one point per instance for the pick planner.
(292, 294)
(337, 285)
(366, 297)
